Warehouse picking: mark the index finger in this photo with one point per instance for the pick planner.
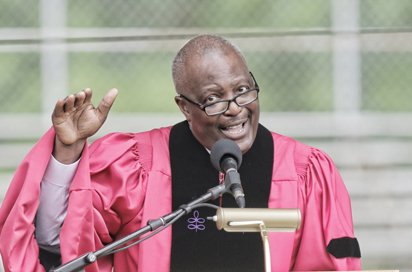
(59, 108)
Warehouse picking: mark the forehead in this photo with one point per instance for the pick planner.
(216, 66)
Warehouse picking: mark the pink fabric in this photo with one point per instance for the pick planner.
(124, 180)
(18, 247)
(306, 178)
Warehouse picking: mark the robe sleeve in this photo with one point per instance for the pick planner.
(327, 240)
(106, 200)
(105, 196)
(18, 246)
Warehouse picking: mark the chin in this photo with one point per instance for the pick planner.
(245, 145)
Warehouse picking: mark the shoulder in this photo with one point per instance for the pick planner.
(285, 144)
(133, 146)
(119, 139)
(303, 156)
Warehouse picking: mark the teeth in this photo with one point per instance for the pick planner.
(234, 129)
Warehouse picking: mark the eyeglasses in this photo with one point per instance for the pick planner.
(222, 106)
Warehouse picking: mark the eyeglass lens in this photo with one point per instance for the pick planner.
(240, 100)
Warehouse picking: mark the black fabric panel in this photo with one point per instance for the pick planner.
(197, 245)
(344, 247)
(49, 259)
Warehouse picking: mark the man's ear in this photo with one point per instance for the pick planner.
(183, 106)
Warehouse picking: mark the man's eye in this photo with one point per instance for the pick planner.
(243, 89)
(211, 99)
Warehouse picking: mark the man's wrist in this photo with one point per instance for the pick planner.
(67, 154)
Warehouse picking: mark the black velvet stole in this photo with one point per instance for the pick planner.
(197, 245)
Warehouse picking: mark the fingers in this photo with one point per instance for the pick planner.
(88, 94)
(107, 102)
(59, 108)
(69, 103)
(63, 106)
(79, 98)
(75, 101)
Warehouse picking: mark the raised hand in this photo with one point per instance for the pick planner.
(75, 119)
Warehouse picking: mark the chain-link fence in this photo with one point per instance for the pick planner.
(294, 48)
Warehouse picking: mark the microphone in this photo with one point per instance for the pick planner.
(226, 157)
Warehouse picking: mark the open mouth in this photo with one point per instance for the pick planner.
(234, 129)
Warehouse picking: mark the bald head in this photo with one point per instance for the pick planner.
(195, 48)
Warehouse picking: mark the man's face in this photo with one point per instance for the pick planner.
(214, 77)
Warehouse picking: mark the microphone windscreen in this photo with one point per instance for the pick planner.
(225, 148)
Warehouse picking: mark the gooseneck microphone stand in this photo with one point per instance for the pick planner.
(152, 225)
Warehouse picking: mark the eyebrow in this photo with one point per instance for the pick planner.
(236, 82)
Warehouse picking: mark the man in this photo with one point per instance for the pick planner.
(123, 180)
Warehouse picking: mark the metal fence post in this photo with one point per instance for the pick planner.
(53, 55)
(346, 56)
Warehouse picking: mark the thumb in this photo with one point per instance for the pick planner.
(104, 106)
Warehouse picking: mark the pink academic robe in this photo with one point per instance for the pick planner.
(123, 180)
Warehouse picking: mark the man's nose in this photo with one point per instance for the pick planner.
(233, 108)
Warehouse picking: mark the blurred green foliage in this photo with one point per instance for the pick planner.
(199, 13)
(19, 13)
(143, 80)
(290, 81)
(293, 81)
(387, 81)
(20, 82)
(384, 13)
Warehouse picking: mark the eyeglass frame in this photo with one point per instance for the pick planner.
(233, 99)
